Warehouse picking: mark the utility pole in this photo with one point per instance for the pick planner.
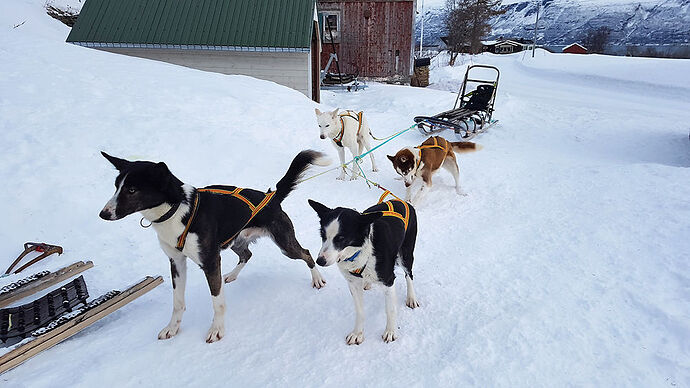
(536, 28)
(421, 35)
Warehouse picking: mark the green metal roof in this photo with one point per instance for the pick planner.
(270, 25)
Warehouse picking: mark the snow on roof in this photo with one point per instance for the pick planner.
(574, 44)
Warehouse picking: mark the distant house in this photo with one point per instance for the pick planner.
(275, 40)
(575, 48)
(371, 37)
(504, 46)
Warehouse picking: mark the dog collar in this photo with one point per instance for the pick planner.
(353, 257)
(167, 214)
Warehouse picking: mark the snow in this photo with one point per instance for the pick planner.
(567, 263)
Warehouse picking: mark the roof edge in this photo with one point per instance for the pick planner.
(192, 47)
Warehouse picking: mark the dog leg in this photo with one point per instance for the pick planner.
(242, 250)
(178, 270)
(452, 167)
(355, 169)
(356, 337)
(341, 155)
(215, 284)
(391, 315)
(424, 186)
(411, 297)
(282, 232)
(365, 141)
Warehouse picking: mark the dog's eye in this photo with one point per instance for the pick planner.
(338, 239)
(131, 190)
(328, 124)
(403, 159)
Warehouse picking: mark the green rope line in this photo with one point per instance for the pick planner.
(358, 158)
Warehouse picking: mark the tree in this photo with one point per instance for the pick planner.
(467, 22)
(596, 39)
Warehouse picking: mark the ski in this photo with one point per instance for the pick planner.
(39, 281)
(73, 322)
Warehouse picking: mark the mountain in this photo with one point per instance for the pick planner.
(566, 21)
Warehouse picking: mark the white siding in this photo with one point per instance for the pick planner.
(285, 68)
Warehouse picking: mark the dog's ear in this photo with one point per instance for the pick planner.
(391, 158)
(119, 164)
(318, 208)
(318, 112)
(368, 218)
(335, 112)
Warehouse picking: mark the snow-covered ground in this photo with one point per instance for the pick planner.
(567, 263)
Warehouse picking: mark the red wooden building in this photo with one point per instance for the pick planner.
(575, 48)
(373, 38)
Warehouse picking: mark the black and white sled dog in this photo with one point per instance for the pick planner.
(366, 247)
(199, 223)
(348, 129)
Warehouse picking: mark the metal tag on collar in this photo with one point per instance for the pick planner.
(353, 257)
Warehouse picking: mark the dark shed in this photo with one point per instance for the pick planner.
(372, 37)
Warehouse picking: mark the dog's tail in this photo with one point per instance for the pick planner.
(298, 167)
(465, 146)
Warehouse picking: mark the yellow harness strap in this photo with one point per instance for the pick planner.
(353, 115)
(445, 147)
(391, 211)
(255, 209)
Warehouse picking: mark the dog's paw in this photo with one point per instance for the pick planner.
(375, 169)
(460, 192)
(215, 333)
(367, 286)
(412, 303)
(389, 336)
(168, 332)
(317, 281)
(354, 177)
(231, 277)
(355, 338)
(341, 177)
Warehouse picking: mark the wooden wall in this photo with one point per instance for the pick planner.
(370, 34)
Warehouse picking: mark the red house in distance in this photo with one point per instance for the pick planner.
(575, 48)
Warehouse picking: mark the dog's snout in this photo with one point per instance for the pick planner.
(323, 136)
(106, 215)
(321, 261)
(407, 184)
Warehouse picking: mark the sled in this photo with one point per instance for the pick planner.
(39, 281)
(473, 110)
(338, 80)
(79, 315)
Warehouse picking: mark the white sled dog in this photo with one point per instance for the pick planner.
(348, 129)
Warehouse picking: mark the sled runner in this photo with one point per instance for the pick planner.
(60, 314)
(473, 110)
(39, 281)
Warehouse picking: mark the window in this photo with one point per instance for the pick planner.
(331, 26)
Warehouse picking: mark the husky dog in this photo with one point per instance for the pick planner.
(198, 223)
(425, 160)
(366, 247)
(348, 129)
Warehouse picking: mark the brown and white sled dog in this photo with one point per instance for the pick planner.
(418, 164)
(197, 223)
(348, 129)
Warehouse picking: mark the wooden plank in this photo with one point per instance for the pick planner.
(61, 333)
(45, 282)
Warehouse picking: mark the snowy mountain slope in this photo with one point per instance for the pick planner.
(565, 265)
(565, 21)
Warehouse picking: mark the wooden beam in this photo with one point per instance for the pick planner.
(45, 282)
(22, 353)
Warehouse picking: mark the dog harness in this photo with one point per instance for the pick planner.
(254, 210)
(391, 212)
(357, 116)
(446, 147)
